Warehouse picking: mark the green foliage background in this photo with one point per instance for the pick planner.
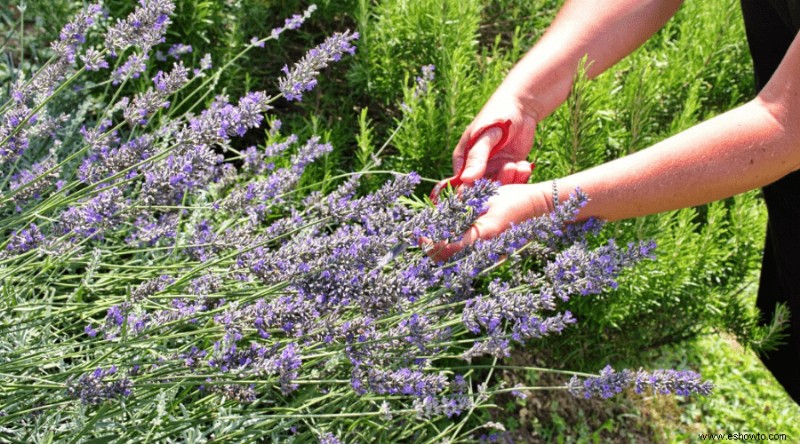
(703, 280)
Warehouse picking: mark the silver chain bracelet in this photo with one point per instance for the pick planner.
(555, 194)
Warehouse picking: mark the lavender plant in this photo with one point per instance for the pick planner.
(157, 284)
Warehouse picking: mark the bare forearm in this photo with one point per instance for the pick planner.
(603, 33)
(743, 149)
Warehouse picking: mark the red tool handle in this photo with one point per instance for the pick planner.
(456, 181)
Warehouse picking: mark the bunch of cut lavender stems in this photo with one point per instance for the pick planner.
(157, 284)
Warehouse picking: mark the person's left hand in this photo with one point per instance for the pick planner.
(513, 204)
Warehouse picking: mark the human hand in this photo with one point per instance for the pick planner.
(509, 165)
(513, 204)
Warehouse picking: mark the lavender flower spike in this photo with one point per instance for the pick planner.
(165, 84)
(303, 75)
(424, 81)
(24, 181)
(662, 382)
(92, 388)
(329, 438)
(134, 66)
(73, 34)
(94, 60)
(24, 240)
(403, 382)
(15, 122)
(422, 86)
(293, 22)
(95, 215)
(144, 27)
(604, 386)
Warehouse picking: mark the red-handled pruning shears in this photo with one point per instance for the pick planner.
(456, 181)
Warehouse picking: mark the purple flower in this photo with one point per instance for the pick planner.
(193, 358)
(204, 242)
(205, 285)
(251, 109)
(170, 83)
(662, 382)
(253, 160)
(94, 60)
(124, 316)
(255, 197)
(133, 67)
(292, 23)
(421, 87)
(179, 49)
(14, 138)
(519, 394)
(275, 127)
(105, 159)
(151, 287)
(24, 240)
(255, 41)
(533, 326)
(302, 76)
(206, 63)
(222, 120)
(604, 386)
(329, 438)
(17, 121)
(544, 233)
(398, 382)
(370, 209)
(94, 215)
(451, 216)
(115, 315)
(241, 393)
(187, 168)
(147, 103)
(95, 387)
(288, 365)
(257, 360)
(73, 34)
(421, 331)
(30, 184)
(149, 231)
(493, 345)
(425, 79)
(578, 270)
(145, 27)
(450, 405)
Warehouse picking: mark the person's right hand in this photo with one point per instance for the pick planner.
(510, 164)
(512, 205)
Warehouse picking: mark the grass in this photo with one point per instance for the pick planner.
(747, 398)
(696, 67)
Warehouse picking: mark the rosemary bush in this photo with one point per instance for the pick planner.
(694, 68)
(160, 284)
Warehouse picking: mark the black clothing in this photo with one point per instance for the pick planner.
(771, 27)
